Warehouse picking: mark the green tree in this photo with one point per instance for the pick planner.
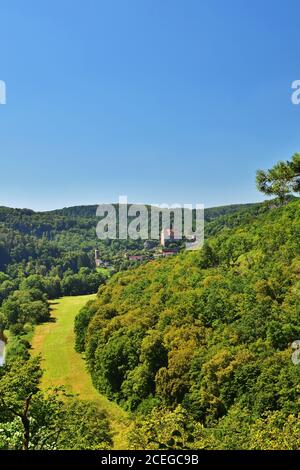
(280, 180)
(165, 429)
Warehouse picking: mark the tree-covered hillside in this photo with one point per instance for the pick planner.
(199, 346)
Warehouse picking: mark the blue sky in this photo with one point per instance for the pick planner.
(165, 101)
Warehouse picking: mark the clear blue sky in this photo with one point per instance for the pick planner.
(162, 100)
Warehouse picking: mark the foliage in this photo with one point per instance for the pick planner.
(282, 179)
(197, 346)
(166, 430)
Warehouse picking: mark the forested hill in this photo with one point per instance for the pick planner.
(200, 345)
(11, 215)
(210, 213)
(37, 242)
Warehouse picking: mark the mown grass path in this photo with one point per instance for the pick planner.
(62, 365)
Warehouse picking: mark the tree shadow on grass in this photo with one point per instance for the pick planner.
(48, 320)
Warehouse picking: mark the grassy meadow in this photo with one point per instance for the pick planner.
(62, 365)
